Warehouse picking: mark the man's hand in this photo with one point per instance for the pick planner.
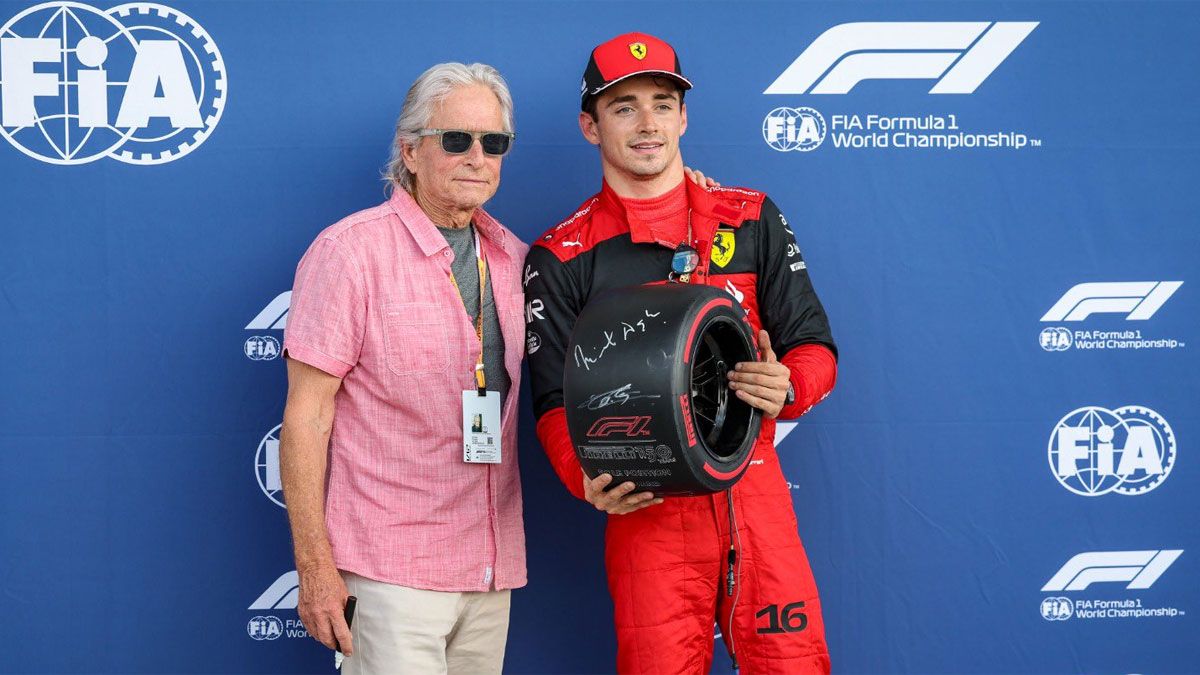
(616, 501)
(762, 384)
(699, 178)
(322, 608)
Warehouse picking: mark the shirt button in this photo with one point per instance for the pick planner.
(446, 253)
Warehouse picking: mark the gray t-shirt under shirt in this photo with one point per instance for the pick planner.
(466, 273)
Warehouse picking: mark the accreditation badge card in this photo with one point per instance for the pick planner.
(481, 427)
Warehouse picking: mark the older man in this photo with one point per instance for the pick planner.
(398, 449)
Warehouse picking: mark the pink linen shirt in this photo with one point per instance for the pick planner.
(373, 304)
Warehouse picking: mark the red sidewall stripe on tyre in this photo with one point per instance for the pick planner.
(728, 474)
(724, 302)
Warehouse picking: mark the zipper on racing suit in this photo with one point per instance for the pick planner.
(732, 575)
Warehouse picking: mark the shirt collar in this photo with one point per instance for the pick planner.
(702, 203)
(426, 233)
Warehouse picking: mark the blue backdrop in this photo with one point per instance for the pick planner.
(999, 483)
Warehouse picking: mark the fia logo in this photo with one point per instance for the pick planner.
(799, 129)
(141, 83)
(261, 348)
(1055, 339)
(265, 628)
(266, 466)
(1128, 450)
(1057, 609)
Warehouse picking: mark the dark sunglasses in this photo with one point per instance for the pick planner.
(458, 141)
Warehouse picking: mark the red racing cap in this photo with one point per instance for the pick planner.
(625, 56)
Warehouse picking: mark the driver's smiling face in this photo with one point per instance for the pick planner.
(638, 125)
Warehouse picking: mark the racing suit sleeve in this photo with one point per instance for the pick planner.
(792, 313)
(814, 371)
(552, 303)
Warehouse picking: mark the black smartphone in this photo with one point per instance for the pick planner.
(351, 601)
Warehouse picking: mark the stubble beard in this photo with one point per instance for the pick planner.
(648, 167)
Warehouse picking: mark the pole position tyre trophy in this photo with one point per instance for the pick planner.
(646, 394)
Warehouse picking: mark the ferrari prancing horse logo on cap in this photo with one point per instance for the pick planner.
(638, 49)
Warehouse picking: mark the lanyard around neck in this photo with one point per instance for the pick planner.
(480, 380)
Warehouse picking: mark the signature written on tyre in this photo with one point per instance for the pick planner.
(619, 396)
(582, 360)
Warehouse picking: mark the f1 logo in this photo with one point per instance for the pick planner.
(960, 55)
(274, 315)
(629, 426)
(1140, 568)
(283, 593)
(1139, 299)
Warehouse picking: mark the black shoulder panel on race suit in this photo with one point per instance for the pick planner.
(553, 299)
(791, 311)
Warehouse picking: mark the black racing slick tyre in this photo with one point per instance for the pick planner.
(646, 393)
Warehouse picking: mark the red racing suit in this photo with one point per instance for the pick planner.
(667, 564)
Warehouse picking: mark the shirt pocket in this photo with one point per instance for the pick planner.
(415, 338)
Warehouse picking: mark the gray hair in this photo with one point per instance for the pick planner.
(429, 89)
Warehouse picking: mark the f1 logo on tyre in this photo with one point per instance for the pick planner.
(625, 426)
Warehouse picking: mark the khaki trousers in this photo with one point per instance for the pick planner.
(408, 630)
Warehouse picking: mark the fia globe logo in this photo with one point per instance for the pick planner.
(1095, 451)
(264, 628)
(1055, 339)
(799, 129)
(266, 466)
(140, 83)
(261, 348)
(1057, 609)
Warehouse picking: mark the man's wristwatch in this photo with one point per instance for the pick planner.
(791, 395)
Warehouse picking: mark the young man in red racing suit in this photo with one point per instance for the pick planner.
(668, 560)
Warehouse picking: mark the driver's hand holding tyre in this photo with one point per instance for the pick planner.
(617, 501)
